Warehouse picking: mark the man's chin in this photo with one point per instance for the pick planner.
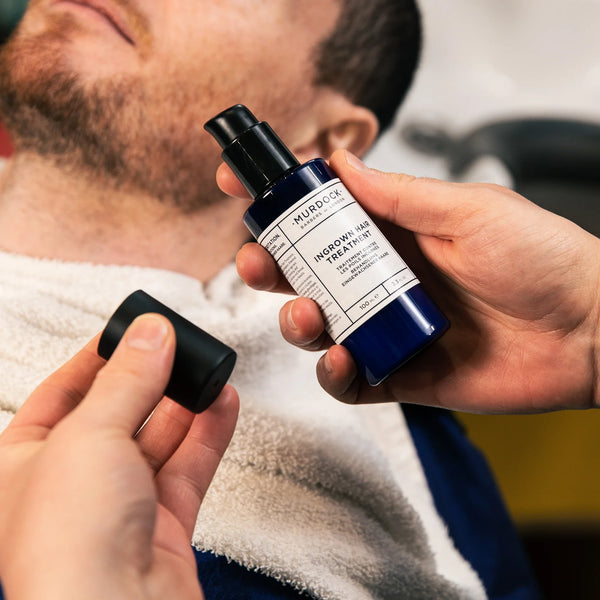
(60, 42)
(33, 53)
(124, 130)
(46, 108)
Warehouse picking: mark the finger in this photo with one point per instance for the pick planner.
(133, 381)
(338, 376)
(259, 270)
(183, 481)
(62, 391)
(425, 206)
(229, 183)
(301, 323)
(163, 433)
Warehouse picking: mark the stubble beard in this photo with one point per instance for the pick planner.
(126, 134)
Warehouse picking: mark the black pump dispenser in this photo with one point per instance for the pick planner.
(251, 148)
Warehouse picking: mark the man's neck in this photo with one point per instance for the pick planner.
(46, 213)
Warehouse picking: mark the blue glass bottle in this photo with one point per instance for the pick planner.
(394, 319)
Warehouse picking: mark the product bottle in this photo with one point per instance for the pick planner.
(328, 248)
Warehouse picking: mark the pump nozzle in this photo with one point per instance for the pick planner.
(251, 148)
(230, 124)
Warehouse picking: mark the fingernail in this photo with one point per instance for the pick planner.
(290, 319)
(327, 364)
(355, 162)
(147, 332)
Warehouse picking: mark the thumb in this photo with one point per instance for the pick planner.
(128, 388)
(229, 183)
(428, 207)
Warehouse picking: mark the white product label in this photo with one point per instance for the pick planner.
(330, 250)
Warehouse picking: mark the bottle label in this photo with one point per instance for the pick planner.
(330, 250)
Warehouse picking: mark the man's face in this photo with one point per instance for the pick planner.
(122, 88)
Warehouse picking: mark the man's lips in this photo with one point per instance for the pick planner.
(109, 12)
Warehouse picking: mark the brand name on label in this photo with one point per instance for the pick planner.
(316, 206)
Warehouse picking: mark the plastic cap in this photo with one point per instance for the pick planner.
(202, 363)
(251, 148)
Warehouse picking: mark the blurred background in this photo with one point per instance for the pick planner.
(509, 92)
(10, 13)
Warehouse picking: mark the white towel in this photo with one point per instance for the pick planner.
(326, 497)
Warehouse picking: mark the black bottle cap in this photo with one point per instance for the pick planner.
(202, 364)
(251, 148)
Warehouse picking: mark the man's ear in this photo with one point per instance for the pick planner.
(336, 123)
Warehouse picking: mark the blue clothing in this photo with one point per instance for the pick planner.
(468, 500)
(466, 497)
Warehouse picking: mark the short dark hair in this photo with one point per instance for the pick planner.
(372, 54)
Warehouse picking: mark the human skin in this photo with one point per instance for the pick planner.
(520, 285)
(90, 509)
(127, 177)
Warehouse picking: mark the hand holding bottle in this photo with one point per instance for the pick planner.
(520, 286)
(88, 507)
(329, 248)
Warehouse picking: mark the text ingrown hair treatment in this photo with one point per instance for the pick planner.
(328, 248)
